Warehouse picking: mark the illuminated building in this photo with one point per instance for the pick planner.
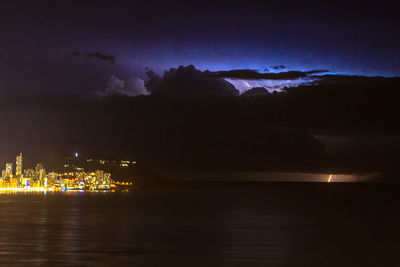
(80, 178)
(39, 180)
(40, 174)
(29, 173)
(28, 177)
(107, 178)
(68, 183)
(7, 173)
(18, 166)
(126, 163)
(14, 183)
(39, 167)
(99, 176)
(52, 179)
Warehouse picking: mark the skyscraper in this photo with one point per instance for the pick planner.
(7, 173)
(40, 174)
(9, 170)
(18, 167)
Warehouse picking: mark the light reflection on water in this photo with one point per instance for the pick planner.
(263, 176)
(305, 177)
(263, 224)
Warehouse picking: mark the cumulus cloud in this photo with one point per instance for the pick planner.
(188, 81)
(133, 86)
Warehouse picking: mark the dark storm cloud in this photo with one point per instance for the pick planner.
(100, 56)
(152, 33)
(247, 74)
(316, 71)
(188, 81)
(256, 91)
(332, 78)
(154, 81)
(96, 56)
(351, 80)
(258, 129)
(279, 67)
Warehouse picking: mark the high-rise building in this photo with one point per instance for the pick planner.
(39, 167)
(9, 170)
(40, 173)
(18, 167)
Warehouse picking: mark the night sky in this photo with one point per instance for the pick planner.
(190, 84)
(82, 47)
(206, 100)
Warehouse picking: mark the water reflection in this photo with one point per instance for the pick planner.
(263, 176)
(265, 224)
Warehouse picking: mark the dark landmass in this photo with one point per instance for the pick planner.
(272, 132)
(141, 176)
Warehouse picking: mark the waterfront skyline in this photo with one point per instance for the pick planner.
(39, 180)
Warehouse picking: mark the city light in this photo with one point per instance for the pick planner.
(38, 180)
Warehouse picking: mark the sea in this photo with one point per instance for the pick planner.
(222, 224)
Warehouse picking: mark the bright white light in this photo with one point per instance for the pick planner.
(76, 154)
(270, 85)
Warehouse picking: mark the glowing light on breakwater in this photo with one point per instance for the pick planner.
(330, 178)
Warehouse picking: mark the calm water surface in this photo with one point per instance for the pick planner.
(243, 225)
